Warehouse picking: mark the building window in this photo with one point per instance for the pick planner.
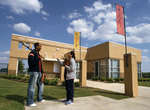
(77, 69)
(96, 69)
(139, 70)
(103, 68)
(27, 44)
(20, 45)
(114, 68)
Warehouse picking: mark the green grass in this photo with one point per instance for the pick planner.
(140, 83)
(13, 94)
(147, 84)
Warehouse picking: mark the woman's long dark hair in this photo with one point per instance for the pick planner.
(73, 54)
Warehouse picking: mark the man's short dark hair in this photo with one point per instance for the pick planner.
(36, 44)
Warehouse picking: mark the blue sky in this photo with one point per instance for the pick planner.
(57, 20)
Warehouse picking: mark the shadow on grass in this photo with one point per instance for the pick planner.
(21, 99)
(16, 98)
(46, 97)
(49, 97)
(111, 94)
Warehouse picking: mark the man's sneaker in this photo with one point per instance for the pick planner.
(33, 105)
(68, 102)
(64, 100)
(40, 101)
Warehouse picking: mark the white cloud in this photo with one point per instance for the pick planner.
(3, 58)
(105, 27)
(139, 33)
(10, 17)
(97, 6)
(20, 6)
(100, 24)
(63, 16)
(9, 25)
(145, 59)
(81, 25)
(44, 13)
(37, 33)
(45, 18)
(128, 4)
(146, 18)
(145, 64)
(21, 28)
(144, 50)
(5, 53)
(74, 15)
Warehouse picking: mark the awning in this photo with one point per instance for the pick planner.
(50, 59)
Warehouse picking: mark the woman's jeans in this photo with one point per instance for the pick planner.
(35, 78)
(70, 89)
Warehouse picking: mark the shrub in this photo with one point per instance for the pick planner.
(9, 77)
(22, 75)
(54, 81)
(47, 82)
(28, 76)
(18, 77)
(148, 79)
(63, 83)
(144, 79)
(117, 79)
(14, 77)
(95, 78)
(109, 79)
(25, 79)
(103, 79)
(77, 84)
(140, 79)
(122, 79)
(3, 76)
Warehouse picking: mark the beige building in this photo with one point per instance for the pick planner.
(103, 60)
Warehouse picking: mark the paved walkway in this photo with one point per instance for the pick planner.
(142, 102)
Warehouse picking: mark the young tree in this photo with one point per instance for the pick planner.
(20, 66)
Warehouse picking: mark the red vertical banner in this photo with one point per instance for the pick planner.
(120, 19)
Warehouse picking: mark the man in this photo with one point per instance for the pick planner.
(35, 68)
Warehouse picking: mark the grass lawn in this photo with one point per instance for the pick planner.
(13, 94)
(147, 84)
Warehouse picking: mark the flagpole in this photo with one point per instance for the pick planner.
(80, 46)
(125, 39)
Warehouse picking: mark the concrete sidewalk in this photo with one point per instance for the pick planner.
(99, 102)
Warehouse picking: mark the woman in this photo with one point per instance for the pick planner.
(70, 71)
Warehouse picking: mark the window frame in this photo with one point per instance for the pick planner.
(111, 68)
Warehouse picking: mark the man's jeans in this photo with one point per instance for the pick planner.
(35, 78)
